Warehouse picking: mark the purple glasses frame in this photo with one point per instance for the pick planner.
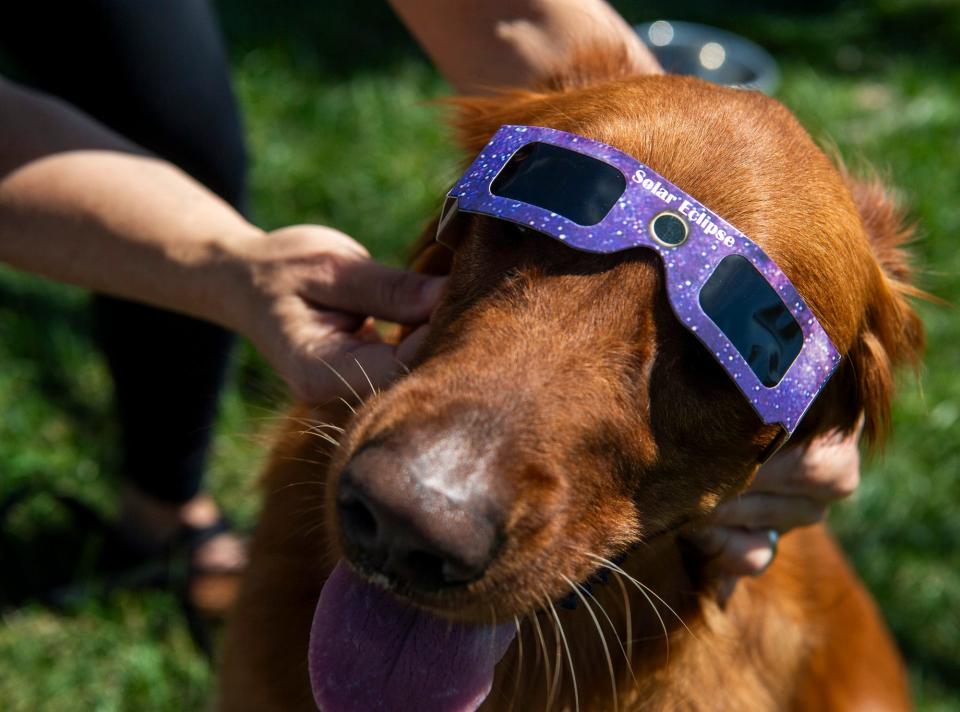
(687, 266)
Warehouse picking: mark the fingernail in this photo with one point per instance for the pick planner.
(761, 559)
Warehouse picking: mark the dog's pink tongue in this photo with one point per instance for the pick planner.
(369, 651)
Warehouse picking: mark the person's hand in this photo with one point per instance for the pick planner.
(794, 489)
(304, 294)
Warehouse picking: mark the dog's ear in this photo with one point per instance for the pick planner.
(476, 118)
(890, 335)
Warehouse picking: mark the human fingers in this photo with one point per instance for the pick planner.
(768, 511)
(827, 469)
(409, 347)
(733, 551)
(379, 363)
(332, 271)
(364, 286)
(353, 366)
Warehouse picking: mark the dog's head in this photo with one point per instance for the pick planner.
(559, 412)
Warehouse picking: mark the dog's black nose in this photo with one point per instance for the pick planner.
(416, 520)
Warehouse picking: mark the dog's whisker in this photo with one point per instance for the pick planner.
(322, 436)
(557, 665)
(312, 524)
(566, 646)
(603, 638)
(628, 616)
(546, 660)
(556, 684)
(315, 509)
(519, 669)
(314, 425)
(667, 605)
(318, 425)
(373, 390)
(493, 627)
(307, 530)
(613, 629)
(347, 403)
(404, 366)
(307, 422)
(652, 592)
(656, 611)
(304, 483)
(310, 429)
(343, 380)
(318, 463)
(617, 570)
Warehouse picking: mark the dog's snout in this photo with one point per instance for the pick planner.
(415, 520)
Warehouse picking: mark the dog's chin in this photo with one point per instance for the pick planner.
(372, 650)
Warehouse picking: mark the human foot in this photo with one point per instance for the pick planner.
(216, 556)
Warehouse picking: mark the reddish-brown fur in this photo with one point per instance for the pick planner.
(605, 422)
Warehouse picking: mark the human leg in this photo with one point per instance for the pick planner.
(157, 73)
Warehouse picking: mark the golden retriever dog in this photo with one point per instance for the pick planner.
(560, 426)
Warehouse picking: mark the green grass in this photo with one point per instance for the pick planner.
(343, 132)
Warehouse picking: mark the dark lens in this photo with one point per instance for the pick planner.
(749, 312)
(669, 229)
(578, 187)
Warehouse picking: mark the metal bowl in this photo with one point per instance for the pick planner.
(710, 53)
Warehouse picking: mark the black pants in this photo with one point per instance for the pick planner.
(155, 71)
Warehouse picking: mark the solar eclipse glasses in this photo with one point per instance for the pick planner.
(722, 287)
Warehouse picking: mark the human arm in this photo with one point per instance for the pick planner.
(480, 45)
(81, 205)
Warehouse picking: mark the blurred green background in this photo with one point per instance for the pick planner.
(343, 132)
